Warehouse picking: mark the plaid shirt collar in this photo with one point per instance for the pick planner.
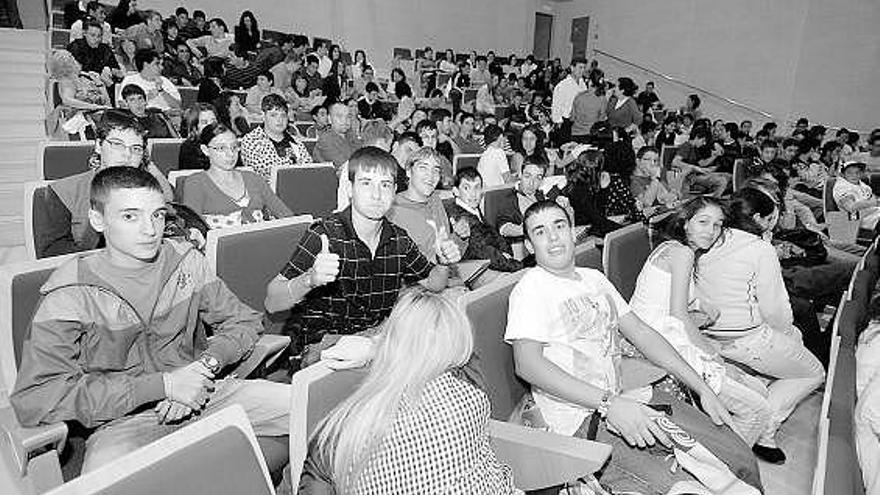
(385, 235)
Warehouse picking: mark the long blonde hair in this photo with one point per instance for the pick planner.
(425, 336)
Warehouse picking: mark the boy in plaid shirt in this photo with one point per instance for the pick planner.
(346, 273)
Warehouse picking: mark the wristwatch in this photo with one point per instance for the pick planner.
(210, 362)
(604, 403)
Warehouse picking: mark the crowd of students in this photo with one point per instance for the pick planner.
(725, 306)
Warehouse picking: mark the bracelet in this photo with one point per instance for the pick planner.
(604, 404)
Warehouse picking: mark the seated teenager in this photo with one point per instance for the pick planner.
(466, 217)
(231, 113)
(512, 205)
(377, 134)
(465, 139)
(120, 142)
(224, 196)
(178, 66)
(423, 407)
(270, 146)
(263, 88)
(565, 325)
(161, 92)
(651, 193)
(346, 273)
(757, 331)
(90, 359)
(613, 196)
(195, 120)
(662, 299)
(152, 119)
(419, 210)
(337, 143)
(854, 196)
(369, 106)
(531, 148)
(493, 165)
(700, 173)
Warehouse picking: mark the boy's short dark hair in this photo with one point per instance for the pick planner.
(409, 136)
(143, 57)
(769, 143)
(181, 10)
(425, 124)
(198, 14)
(269, 76)
(647, 126)
(132, 90)
(371, 87)
(790, 142)
(491, 133)
(312, 59)
(315, 109)
(115, 119)
(732, 129)
(538, 207)
(273, 102)
(113, 178)
(700, 132)
(371, 158)
(91, 23)
(578, 60)
(469, 174)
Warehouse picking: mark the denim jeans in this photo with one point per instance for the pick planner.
(778, 354)
(267, 405)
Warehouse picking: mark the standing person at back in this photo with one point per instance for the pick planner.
(563, 96)
(346, 273)
(336, 144)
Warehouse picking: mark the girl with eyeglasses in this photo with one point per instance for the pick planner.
(224, 195)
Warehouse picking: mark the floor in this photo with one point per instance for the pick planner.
(798, 438)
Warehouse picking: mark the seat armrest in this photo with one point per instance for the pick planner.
(541, 459)
(19, 444)
(266, 351)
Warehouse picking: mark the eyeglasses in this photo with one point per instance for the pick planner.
(119, 146)
(232, 148)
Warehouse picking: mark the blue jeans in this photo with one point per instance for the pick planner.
(267, 405)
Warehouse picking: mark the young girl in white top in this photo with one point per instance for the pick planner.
(741, 276)
(662, 299)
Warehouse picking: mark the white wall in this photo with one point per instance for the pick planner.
(378, 26)
(816, 58)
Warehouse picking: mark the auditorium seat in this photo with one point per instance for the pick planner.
(188, 96)
(623, 256)
(739, 173)
(165, 153)
(310, 144)
(216, 455)
(492, 201)
(34, 216)
(306, 189)
(60, 159)
(303, 126)
(538, 459)
(248, 257)
(667, 154)
(465, 160)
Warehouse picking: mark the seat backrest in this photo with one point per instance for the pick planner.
(34, 215)
(19, 296)
(828, 195)
(175, 177)
(470, 94)
(842, 472)
(315, 391)
(307, 189)
(218, 454)
(60, 159)
(465, 160)
(587, 255)
(486, 308)
(303, 126)
(739, 173)
(248, 257)
(667, 153)
(492, 198)
(165, 153)
(624, 255)
(402, 53)
(310, 144)
(188, 96)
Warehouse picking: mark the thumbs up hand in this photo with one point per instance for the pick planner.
(326, 266)
(446, 249)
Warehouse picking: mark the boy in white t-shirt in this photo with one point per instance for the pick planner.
(493, 165)
(565, 325)
(854, 196)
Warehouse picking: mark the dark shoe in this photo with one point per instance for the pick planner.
(773, 455)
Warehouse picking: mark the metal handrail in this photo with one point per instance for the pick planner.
(678, 81)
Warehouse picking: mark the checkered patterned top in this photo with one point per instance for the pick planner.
(438, 444)
(367, 287)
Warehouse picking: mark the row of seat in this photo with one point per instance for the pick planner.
(247, 257)
(837, 468)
